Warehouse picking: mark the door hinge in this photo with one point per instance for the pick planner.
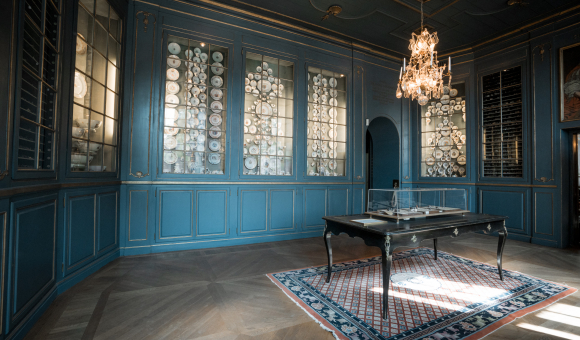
(242, 51)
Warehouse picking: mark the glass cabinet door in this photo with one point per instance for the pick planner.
(326, 130)
(268, 116)
(194, 118)
(443, 134)
(96, 88)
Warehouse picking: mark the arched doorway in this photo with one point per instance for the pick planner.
(383, 154)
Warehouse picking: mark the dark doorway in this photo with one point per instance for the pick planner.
(383, 154)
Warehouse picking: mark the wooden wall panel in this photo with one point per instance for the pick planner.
(253, 210)
(175, 214)
(543, 214)
(358, 200)
(138, 215)
(507, 203)
(107, 216)
(81, 229)
(314, 207)
(212, 211)
(338, 202)
(32, 254)
(282, 209)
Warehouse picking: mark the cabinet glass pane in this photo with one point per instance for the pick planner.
(268, 124)
(502, 124)
(38, 85)
(326, 132)
(443, 134)
(195, 112)
(96, 117)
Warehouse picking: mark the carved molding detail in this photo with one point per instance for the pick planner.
(3, 174)
(146, 16)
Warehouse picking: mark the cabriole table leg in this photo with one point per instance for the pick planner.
(326, 236)
(386, 267)
(500, 246)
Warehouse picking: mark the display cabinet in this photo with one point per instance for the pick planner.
(414, 203)
(326, 130)
(195, 105)
(95, 121)
(502, 125)
(444, 134)
(268, 116)
(38, 85)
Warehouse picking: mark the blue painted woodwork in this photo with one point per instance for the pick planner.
(176, 215)
(32, 253)
(282, 206)
(358, 200)
(108, 215)
(137, 224)
(81, 227)
(510, 202)
(212, 212)
(338, 200)
(315, 207)
(254, 210)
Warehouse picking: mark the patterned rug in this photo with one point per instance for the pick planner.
(451, 298)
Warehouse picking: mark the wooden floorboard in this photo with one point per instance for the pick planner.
(222, 293)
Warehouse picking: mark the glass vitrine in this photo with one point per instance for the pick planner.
(268, 116)
(96, 89)
(326, 130)
(413, 203)
(444, 134)
(195, 106)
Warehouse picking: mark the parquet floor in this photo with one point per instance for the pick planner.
(222, 293)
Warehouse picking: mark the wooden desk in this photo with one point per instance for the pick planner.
(390, 235)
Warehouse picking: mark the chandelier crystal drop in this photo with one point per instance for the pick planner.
(422, 79)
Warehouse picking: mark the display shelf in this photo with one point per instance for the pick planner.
(95, 119)
(444, 134)
(326, 132)
(502, 124)
(268, 116)
(195, 107)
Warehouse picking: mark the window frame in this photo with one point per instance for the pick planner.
(68, 98)
(18, 173)
(295, 105)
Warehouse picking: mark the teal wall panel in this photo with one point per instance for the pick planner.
(358, 200)
(254, 210)
(212, 211)
(32, 254)
(282, 209)
(338, 202)
(138, 211)
(507, 202)
(314, 207)
(544, 214)
(107, 214)
(81, 227)
(175, 214)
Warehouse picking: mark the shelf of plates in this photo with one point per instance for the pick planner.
(38, 87)
(502, 123)
(443, 134)
(326, 128)
(268, 116)
(96, 88)
(194, 132)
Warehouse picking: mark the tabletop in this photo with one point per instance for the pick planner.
(417, 224)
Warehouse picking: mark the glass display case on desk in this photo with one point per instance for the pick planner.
(402, 204)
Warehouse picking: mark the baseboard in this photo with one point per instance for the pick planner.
(202, 244)
(81, 274)
(547, 243)
(28, 322)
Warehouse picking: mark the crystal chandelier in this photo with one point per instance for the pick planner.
(423, 77)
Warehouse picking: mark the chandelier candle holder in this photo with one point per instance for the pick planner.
(422, 79)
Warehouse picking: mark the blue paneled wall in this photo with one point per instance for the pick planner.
(59, 229)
